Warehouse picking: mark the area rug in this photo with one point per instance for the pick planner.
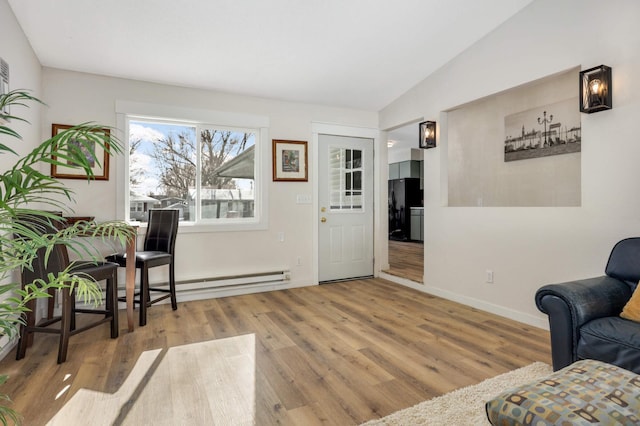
(464, 406)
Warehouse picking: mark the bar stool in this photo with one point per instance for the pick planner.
(159, 250)
(58, 261)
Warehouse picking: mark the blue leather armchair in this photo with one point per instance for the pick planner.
(584, 315)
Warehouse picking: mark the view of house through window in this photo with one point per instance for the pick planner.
(207, 172)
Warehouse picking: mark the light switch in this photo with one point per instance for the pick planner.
(303, 199)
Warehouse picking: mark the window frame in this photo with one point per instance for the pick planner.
(127, 111)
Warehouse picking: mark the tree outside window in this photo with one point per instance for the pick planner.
(207, 181)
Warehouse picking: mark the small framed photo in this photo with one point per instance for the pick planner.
(290, 161)
(100, 168)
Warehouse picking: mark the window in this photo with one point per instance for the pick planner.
(227, 173)
(345, 179)
(208, 172)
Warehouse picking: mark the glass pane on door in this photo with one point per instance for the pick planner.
(345, 186)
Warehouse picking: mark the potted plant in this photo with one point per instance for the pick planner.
(26, 190)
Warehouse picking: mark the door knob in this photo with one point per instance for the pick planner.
(323, 219)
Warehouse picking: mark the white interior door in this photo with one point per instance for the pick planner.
(345, 198)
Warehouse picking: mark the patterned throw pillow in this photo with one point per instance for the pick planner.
(585, 393)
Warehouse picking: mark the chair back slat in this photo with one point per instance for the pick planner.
(162, 230)
(41, 266)
(57, 262)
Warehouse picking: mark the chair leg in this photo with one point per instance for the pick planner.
(65, 325)
(144, 294)
(72, 317)
(31, 321)
(51, 302)
(112, 303)
(172, 287)
(26, 337)
(22, 343)
(107, 297)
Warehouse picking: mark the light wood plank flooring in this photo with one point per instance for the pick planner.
(406, 260)
(336, 354)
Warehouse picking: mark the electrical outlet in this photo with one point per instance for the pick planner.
(489, 276)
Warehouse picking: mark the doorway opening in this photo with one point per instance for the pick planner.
(406, 203)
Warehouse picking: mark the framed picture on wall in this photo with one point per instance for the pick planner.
(290, 161)
(100, 167)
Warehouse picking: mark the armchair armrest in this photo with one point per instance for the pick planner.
(572, 304)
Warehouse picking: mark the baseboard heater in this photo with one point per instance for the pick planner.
(230, 281)
(223, 283)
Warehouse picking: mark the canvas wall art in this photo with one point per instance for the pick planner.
(551, 129)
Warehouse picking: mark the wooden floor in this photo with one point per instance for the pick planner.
(406, 260)
(337, 354)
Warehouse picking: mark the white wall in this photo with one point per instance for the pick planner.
(529, 247)
(25, 73)
(24, 70)
(478, 173)
(76, 97)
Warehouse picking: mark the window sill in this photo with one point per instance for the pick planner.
(202, 228)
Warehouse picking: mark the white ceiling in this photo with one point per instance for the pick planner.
(352, 53)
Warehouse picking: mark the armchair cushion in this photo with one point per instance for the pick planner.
(613, 340)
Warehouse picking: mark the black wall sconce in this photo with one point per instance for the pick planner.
(595, 89)
(427, 135)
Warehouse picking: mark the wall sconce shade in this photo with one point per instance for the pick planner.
(427, 135)
(595, 89)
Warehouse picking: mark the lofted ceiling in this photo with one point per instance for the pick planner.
(351, 53)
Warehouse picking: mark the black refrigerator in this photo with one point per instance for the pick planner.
(403, 194)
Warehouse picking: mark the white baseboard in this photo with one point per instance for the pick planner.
(473, 302)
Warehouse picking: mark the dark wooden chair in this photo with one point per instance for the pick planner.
(159, 250)
(58, 261)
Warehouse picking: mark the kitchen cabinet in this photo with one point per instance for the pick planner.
(405, 169)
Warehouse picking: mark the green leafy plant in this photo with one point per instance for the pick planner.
(26, 191)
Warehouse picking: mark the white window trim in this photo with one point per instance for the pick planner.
(140, 110)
